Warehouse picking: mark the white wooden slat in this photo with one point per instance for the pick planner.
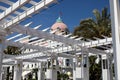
(11, 17)
(26, 25)
(79, 38)
(67, 35)
(12, 8)
(11, 3)
(28, 35)
(24, 8)
(30, 11)
(34, 38)
(33, 2)
(7, 2)
(3, 8)
(16, 12)
(28, 46)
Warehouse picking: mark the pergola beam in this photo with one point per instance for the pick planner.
(59, 38)
(4, 8)
(11, 3)
(20, 39)
(26, 25)
(24, 56)
(34, 60)
(41, 34)
(7, 2)
(66, 55)
(29, 11)
(55, 52)
(97, 51)
(12, 8)
(33, 2)
(28, 46)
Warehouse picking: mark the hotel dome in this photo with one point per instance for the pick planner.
(59, 26)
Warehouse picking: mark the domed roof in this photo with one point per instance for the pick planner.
(59, 25)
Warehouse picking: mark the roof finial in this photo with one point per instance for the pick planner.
(59, 18)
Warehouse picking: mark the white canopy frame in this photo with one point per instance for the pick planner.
(67, 43)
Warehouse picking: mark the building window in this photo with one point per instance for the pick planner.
(32, 65)
(67, 62)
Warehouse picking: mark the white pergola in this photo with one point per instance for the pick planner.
(39, 52)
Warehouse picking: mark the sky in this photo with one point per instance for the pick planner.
(71, 11)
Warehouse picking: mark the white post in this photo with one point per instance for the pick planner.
(105, 68)
(81, 72)
(40, 71)
(18, 70)
(115, 19)
(74, 69)
(51, 74)
(1, 53)
(87, 66)
(5, 72)
(82, 67)
(110, 67)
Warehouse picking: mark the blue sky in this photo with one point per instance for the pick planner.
(73, 11)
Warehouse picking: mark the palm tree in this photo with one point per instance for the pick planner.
(11, 50)
(95, 27)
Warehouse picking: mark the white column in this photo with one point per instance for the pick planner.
(2, 47)
(40, 71)
(74, 69)
(111, 67)
(87, 66)
(105, 68)
(18, 70)
(115, 19)
(51, 74)
(82, 66)
(79, 70)
(5, 73)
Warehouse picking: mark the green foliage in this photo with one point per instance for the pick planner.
(12, 50)
(95, 27)
(30, 76)
(95, 69)
(63, 76)
(35, 71)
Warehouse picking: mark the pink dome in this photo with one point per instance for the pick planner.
(59, 25)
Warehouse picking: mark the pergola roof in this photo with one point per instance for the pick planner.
(59, 45)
